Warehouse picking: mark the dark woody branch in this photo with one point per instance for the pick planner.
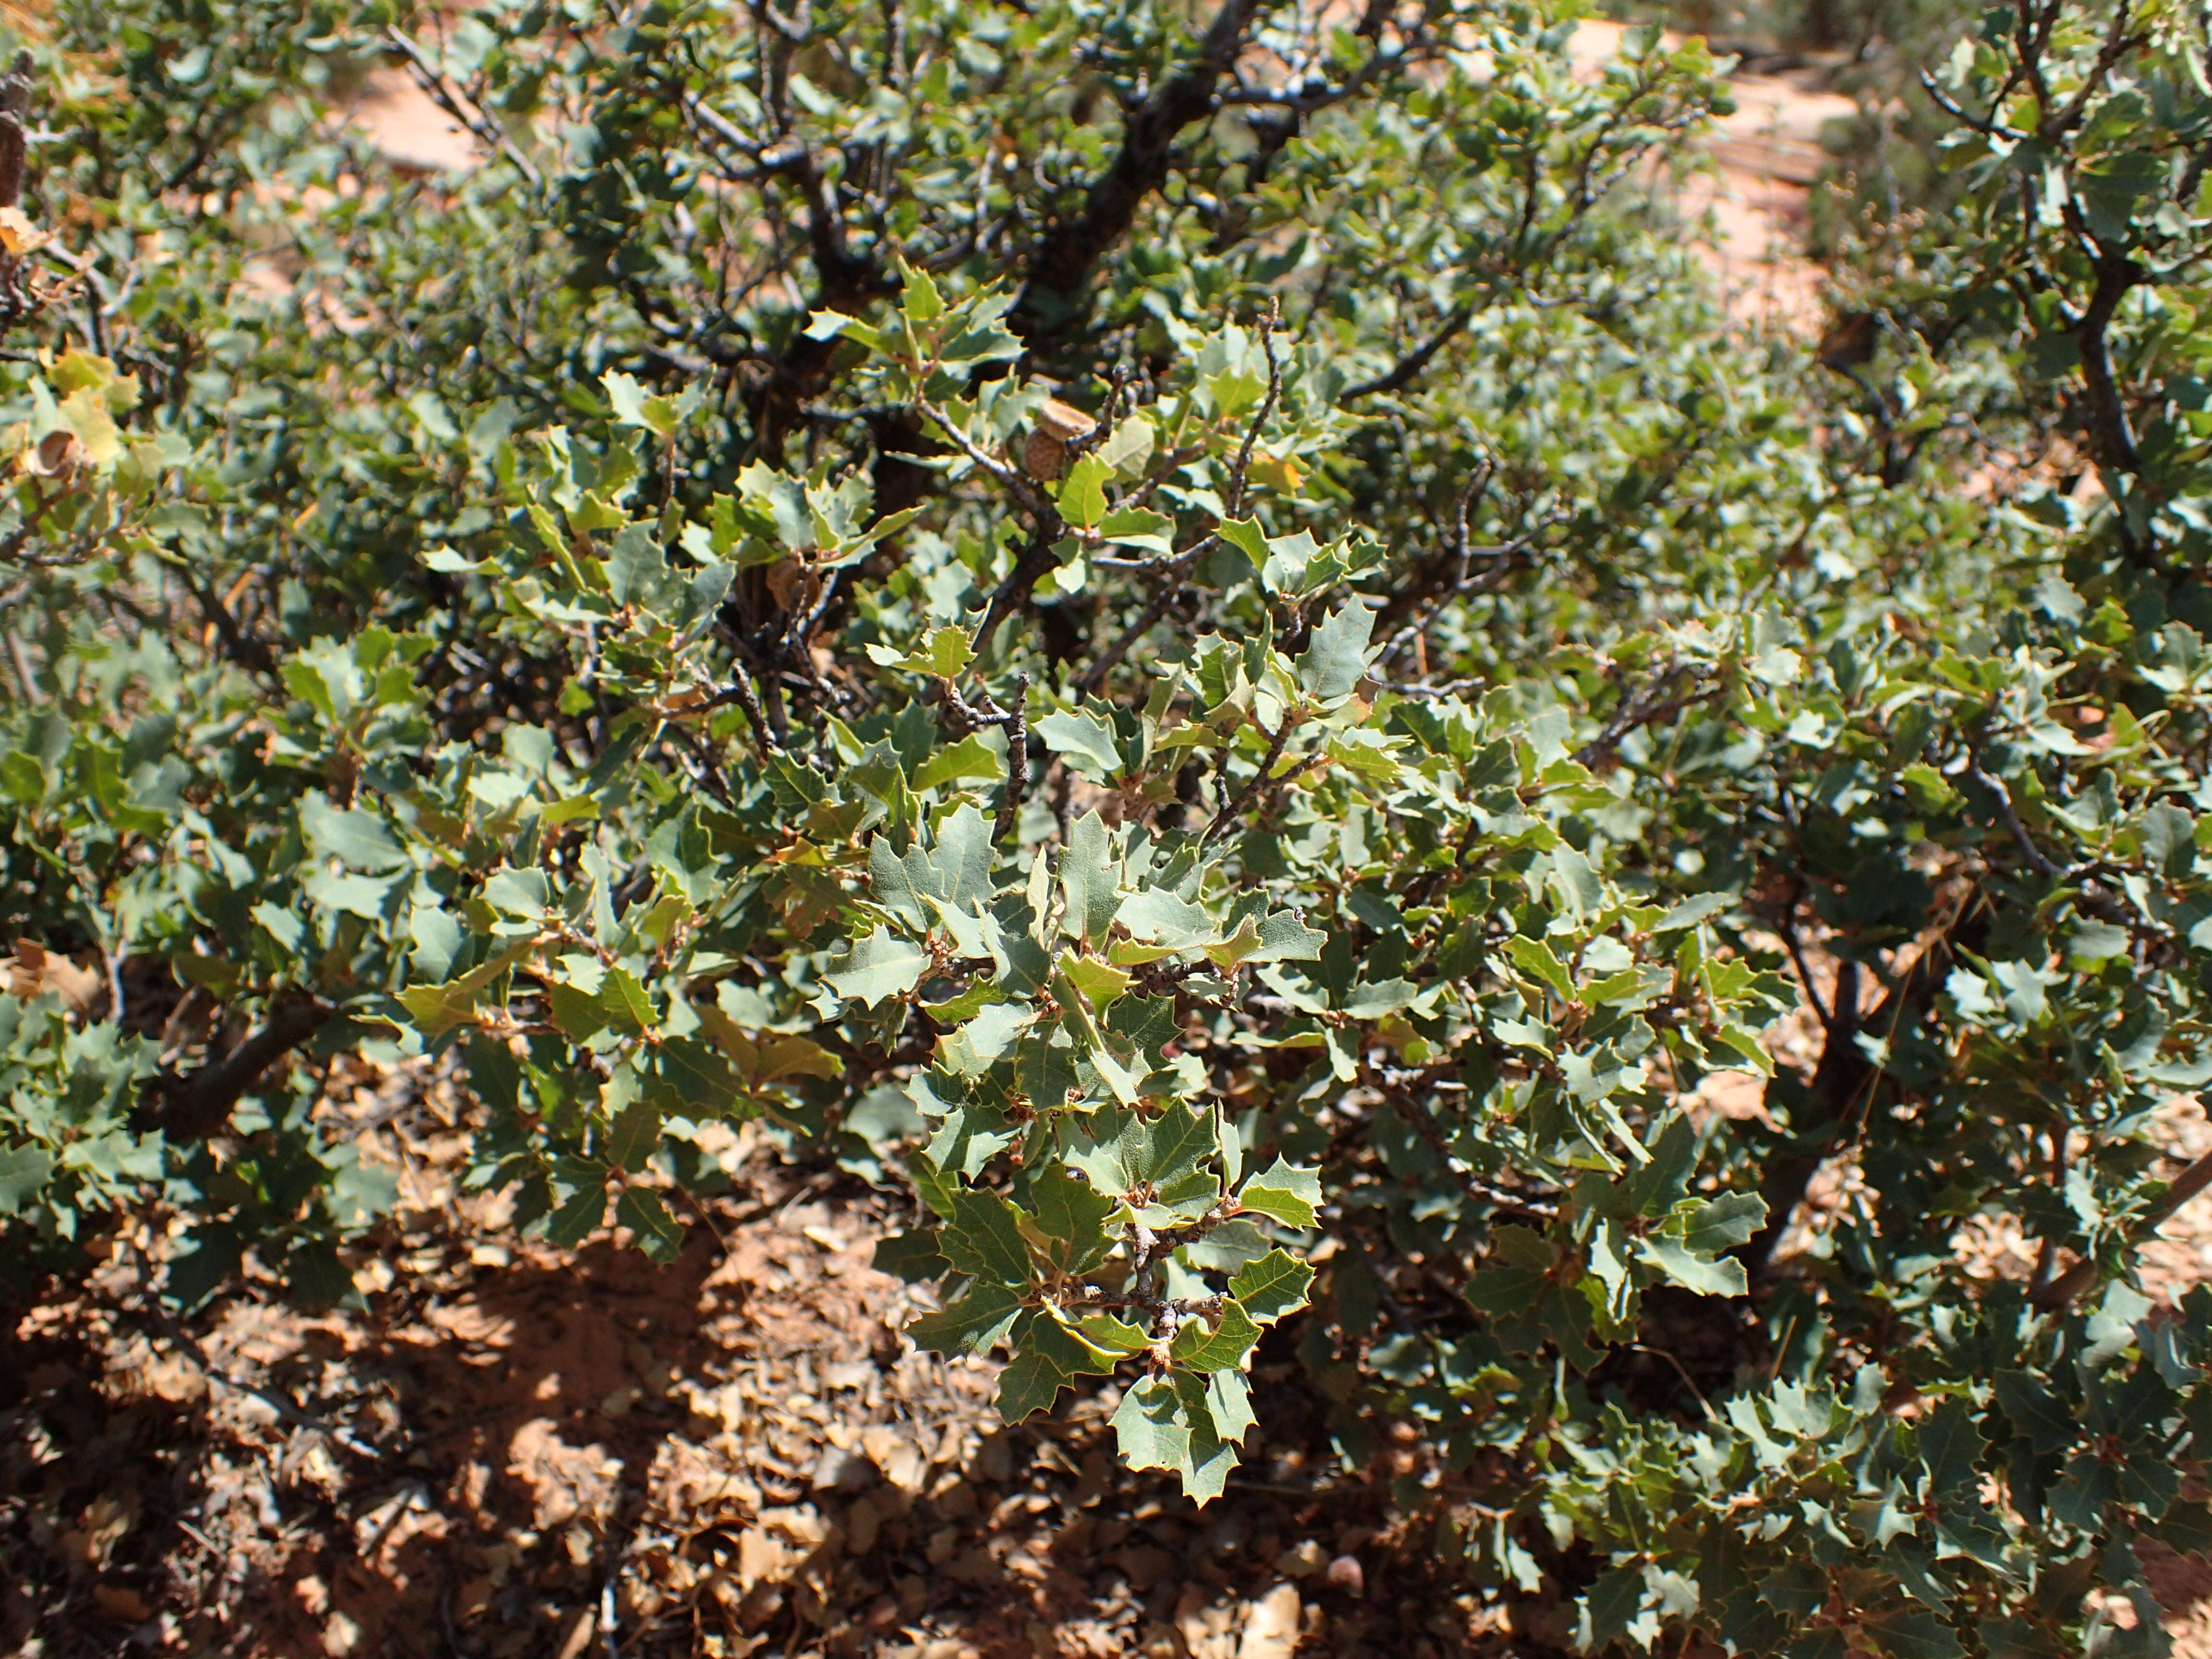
(1063, 256)
(193, 1105)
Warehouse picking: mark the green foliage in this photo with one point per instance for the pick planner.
(1185, 637)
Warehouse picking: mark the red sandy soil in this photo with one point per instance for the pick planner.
(500, 1445)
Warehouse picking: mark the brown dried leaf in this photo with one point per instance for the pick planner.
(1204, 1625)
(580, 1631)
(1271, 1628)
(801, 1524)
(119, 1601)
(35, 969)
(792, 584)
(763, 1558)
(102, 1525)
(18, 235)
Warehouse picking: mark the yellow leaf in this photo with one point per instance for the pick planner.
(18, 235)
(75, 371)
(84, 412)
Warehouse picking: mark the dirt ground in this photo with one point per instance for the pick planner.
(499, 1450)
(506, 1451)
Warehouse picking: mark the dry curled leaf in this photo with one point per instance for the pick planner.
(762, 1559)
(120, 1602)
(104, 1523)
(1271, 1628)
(34, 971)
(793, 584)
(581, 1629)
(18, 235)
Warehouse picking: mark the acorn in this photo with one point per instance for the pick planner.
(60, 454)
(1054, 426)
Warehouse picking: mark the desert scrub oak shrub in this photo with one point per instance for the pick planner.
(1182, 633)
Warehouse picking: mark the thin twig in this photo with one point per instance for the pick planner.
(1654, 703)
(1785, 925)
(740, 691)
(968, 716)
(1093, 677)
(1035, 558)
(24, 673)
(282, 1406)
(1704, 1404)
(1958, 111)
(1031, 498)
(1423, 1123)
(1234, 808)
(1018, 760)
(2009, 816)
(1234, 503)
(2083, 1274)
(1409, 366)
(433, 81)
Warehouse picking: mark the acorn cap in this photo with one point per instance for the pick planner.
(1063, 421)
